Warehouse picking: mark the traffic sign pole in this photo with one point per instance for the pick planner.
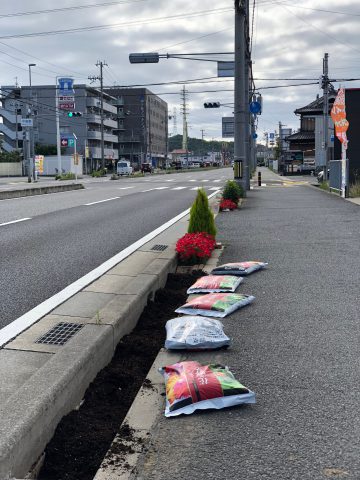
(58, 146)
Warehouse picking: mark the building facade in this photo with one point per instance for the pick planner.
(142, 126)
(39, 104)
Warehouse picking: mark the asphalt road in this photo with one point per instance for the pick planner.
(60, 237)
(296, 346)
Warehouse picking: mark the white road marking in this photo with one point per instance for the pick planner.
(204, 180)
(125, 188)
(14, 221)
(196, 188)
(101, 201)
(179, 188)
(218, 180)
(32, 316)
(172, 180)
(214, 189)
(192, 180)
(155, 188)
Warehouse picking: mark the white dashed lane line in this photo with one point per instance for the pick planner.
(101, 201)
(14, 221)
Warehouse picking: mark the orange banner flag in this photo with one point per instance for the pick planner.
(338, 115)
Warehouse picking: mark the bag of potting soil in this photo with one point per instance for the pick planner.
(191, 386)
(195, 333)
(238, 268)
(215, 283)
(215, 304)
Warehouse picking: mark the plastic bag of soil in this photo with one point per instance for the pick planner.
(215, 304)
(195, 333)
(215, 283)
(238, 268)
(191, 386)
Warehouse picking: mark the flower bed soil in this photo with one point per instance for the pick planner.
(83, 437)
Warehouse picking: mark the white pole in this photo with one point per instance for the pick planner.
(343, 170)
(75, 156)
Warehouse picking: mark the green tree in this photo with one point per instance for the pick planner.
(201, 217)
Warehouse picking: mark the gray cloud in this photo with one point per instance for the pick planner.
(288, 42)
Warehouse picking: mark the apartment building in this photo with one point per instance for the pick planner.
(39, 104)
(142, 125)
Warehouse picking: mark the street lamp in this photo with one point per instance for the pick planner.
(30, 130)
(241, 87)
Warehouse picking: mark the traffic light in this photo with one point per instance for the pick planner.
(212, 105)
(74, 114)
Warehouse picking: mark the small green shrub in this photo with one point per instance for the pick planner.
(98, 173)
(65, 176)
(324, 186)
(354, 190)
(201, 217)
(233, 191)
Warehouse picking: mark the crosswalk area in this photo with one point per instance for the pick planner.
(209, 188)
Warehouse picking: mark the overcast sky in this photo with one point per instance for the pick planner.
(289, 39)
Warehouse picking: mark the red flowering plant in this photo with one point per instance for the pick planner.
(195, 248)
(227, 205)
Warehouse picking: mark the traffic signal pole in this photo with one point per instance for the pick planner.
(241, 167)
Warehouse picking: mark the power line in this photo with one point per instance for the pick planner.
(117, 25)
(64, 9)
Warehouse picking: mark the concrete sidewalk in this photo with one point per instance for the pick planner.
(296, 347)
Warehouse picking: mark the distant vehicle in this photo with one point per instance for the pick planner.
(146, 167)
(196, 165)
(306, 168)
(123, 168)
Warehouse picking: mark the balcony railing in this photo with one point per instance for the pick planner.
(95, 102)
(96, 135)
(95, 152)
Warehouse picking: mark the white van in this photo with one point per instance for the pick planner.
(123, 168)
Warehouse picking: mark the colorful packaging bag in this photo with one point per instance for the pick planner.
(215, 283)
(195, 333)
(191, 386)
(215, 304)
(239, 268)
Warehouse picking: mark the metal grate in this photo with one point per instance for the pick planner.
(60, 334)
(160, 248)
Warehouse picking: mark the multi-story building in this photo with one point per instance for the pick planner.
(39, 103)
(142, 125)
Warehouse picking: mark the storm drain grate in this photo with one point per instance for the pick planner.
(159, 248)
(60, 334)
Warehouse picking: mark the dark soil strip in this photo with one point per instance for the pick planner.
(84, 436)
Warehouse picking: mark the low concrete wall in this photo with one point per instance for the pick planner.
(25, 192)
(10, 169)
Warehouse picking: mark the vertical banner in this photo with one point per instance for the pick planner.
(338, 115)
(39, 164)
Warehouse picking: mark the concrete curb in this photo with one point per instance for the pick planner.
(26, 192)
(30, 414)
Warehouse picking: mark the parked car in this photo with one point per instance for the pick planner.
(123, 168)
(146, 168)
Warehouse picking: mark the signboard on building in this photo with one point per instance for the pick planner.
(26, 122)
(227, 127)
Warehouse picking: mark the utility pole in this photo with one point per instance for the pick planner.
(30, 129)
(100, 77)
(325, 86)
(241, 167)
(202, 138)
(185, 129)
